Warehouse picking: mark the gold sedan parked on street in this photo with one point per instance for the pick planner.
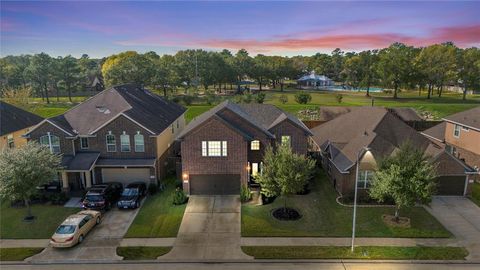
(73, 230)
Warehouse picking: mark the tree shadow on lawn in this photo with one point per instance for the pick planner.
(323, 217)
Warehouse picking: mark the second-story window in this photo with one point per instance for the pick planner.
(214, 148)
(83, 143)
(125, 142)
(111, 143)
(255, 145)
(139, 142)
(286, 141)
(10, 141)
(52, 142)
(456, 131)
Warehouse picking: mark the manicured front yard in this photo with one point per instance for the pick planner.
(142, 253)
(323, 217)
(158, 217)
(476, 193)
(367, 253)
(17, 254)
(48, 217)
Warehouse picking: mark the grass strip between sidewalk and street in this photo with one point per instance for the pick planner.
(18, 254)
(367, 252)
(476, 193)
(142, 253)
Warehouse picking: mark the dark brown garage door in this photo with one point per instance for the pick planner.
(451, 185)
(215, 184)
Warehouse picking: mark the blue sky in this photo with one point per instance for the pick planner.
(286, 28)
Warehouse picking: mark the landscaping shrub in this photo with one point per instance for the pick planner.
(247, 98)
(187, 100)
(175, 99)
(245, 194)
(210, 99)
(339, 98)
(283, 99)
(260, 97)
(179, 197)
(303, 97)
(58, 198)
(152, 188)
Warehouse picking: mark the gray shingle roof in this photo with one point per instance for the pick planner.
(373, 127)
(82, 161)
(149, 110)
(262, 116)
(470, 118)
(13, 118)
(436, 132)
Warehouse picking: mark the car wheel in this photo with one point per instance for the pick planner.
(137, 205)
(80, 239)
(98, 220)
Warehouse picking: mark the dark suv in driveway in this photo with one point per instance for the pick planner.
(132, 195)
(102, 197)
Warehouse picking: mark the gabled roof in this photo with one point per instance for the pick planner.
(406, 114)
(314, 77)
(261, 116)
(372, 127)
(13, 118)
(436, 132)
(469, 118)
(139, 105)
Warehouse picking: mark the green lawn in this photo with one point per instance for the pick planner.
(323, 217)
(476, 193)
(17, 254)
(142, 253)
(48, 217)
(158, 217)
(368, 253)
(196, 110)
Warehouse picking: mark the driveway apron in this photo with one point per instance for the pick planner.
(100, 244)
(461, 217)
(210, 230)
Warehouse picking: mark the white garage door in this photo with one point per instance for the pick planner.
(126, 176)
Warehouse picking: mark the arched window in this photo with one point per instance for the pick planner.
(52, 142)
(111, 143)
(125, 142)
(139, 142)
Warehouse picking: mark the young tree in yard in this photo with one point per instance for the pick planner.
(406, 177)
(284, 172)
(23, 169)
(303, 97)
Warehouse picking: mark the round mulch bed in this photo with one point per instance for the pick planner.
(402, 222)
(286, 214)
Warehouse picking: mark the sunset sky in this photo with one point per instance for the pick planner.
(284, 28)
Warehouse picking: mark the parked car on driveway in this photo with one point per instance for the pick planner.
(73, 230)
(132, 195)
(102, 197)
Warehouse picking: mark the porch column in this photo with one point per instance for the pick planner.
(88, 179)
(65, 181)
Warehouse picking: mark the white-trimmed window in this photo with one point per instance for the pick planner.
(125, 142)
(456, 131)
(139, 142)
(83, 143)
(365, 178)
(111, 142)
(286, 140)
(10, 141)
(214, 148)
(255, 145)
(173, 129)
(52, 142)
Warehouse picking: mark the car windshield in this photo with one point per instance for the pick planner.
(130, 192)
(65, 229)
(94, 198)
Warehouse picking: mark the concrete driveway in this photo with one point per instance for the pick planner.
(461, 217)
(210, 230)
(100, 244)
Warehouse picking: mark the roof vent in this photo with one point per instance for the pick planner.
(103, 109)
(365, 133)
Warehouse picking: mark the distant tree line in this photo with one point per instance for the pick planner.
(399, 66)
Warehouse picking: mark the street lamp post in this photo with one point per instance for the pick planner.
(362, 151)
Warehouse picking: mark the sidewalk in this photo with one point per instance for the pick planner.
(16, 243)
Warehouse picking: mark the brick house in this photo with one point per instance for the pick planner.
(15, 122)
(222, 148)
(380, 131)
(460, 135)
(122, 134)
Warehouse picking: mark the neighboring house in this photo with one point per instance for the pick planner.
(460, 134)
(343, 138)
(95, 83)
(122, 134)
(313, 81)
(223, 148)
(14, 122)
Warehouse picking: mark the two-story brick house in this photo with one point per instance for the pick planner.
(222, 148)
(122, 134)
(460, 134)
